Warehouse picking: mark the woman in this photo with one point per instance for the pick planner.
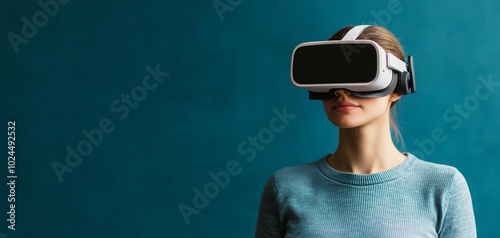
(367, 187)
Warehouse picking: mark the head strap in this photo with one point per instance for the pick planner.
(354, 32)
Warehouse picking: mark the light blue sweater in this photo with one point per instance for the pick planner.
(414, 199)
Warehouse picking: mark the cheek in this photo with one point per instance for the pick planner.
(376, 108)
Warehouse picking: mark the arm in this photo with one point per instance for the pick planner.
(268, 222)
(458, 218)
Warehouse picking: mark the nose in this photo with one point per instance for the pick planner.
(339, 92)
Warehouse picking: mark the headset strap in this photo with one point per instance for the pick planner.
(354, 32)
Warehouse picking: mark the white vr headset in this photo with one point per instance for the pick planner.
(362, 67)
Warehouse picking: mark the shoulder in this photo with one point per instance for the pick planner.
(296, 177)
(294, 172)
(435, 169)
(438, 175)
(302, 169)
(452, 197)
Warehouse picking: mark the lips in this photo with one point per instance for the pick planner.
(344, 106)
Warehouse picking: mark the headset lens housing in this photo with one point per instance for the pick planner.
(335, 63)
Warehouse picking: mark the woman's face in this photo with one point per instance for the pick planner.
(348, 111)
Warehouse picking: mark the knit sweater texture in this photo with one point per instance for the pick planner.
(414, 199)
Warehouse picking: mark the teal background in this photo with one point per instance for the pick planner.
(226, 77)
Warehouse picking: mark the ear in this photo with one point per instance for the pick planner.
(393, 97)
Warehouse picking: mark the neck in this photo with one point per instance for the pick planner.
(365, 150)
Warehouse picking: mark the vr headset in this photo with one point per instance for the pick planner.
(361, 67)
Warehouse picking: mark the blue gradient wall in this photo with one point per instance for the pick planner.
(126, 110)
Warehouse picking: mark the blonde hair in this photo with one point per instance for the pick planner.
(388, 41)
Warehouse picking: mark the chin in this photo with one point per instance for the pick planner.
(345, 124)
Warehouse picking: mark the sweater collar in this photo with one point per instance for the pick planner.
(366, 179)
